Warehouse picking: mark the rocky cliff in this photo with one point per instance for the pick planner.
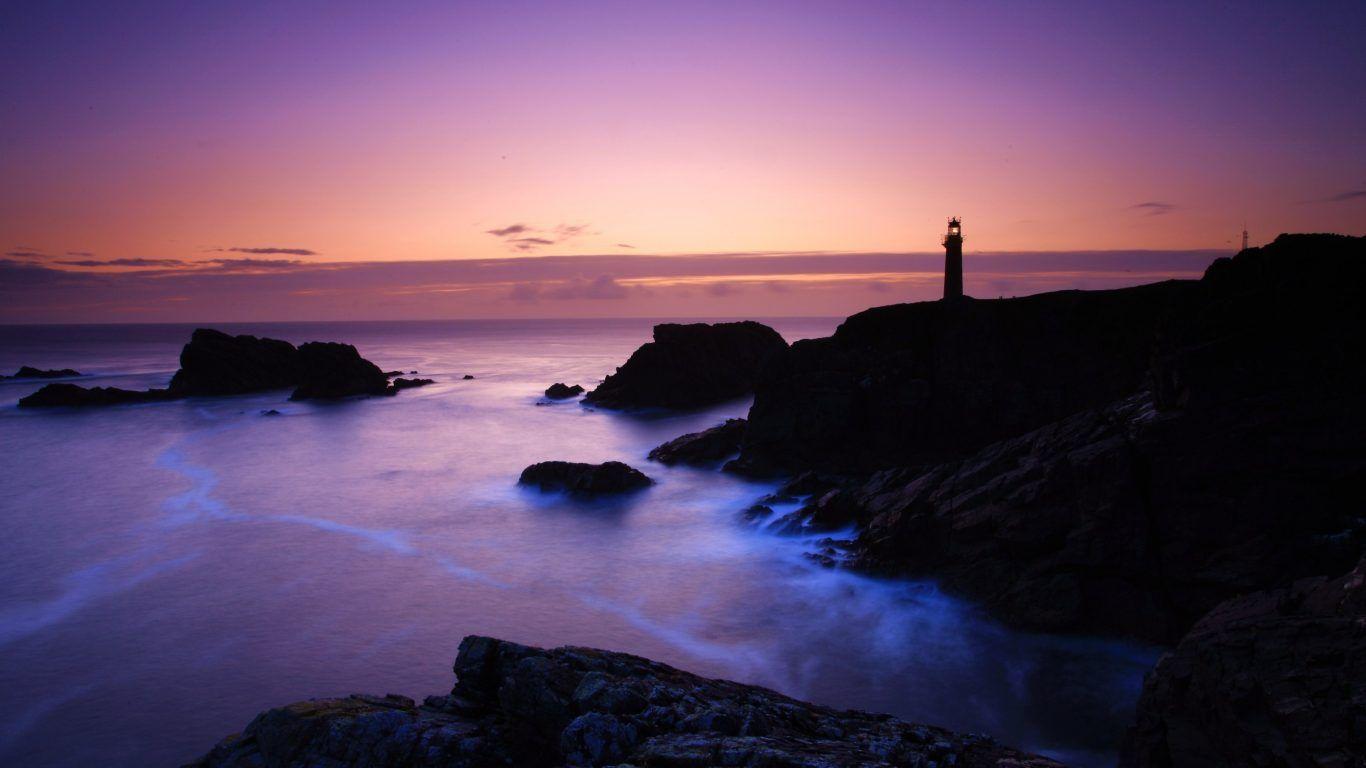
(688, 366)
(520, 706)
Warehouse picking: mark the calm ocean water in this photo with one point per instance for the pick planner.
(169, 570)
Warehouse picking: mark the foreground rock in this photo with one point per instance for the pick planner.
(522, 706)
(702, 448)
(562, 391)
(688, 366)
(29, 372)
(1274, 678)
(329, 370)
(584, 479)
(73, 396)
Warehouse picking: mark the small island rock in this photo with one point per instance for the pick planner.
(561, 391)
(584, 479)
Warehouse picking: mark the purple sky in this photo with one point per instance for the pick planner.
(168, 137)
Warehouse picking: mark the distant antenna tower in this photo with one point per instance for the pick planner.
(1245, 236)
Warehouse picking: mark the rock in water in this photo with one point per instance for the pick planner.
(584, 479)
(71, 395)
(1273, 678)
(214, 363)
(402, 383)
(687, 366)
(560, 391)
(29, 372)
(329, 370)
(702, 448)
(522, 706)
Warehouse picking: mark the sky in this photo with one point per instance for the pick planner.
(295, 160)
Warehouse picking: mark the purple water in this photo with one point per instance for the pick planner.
(169, 570)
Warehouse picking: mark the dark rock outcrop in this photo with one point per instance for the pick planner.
(402, 383)
(1273, 678)
(29, 372)
(584, 479)
(516, 705)
(214, 363)
(71, 395)
(467, 377)
(702, 448)
(561, 391)
(688, 366)
(330, 370)
(930, 381)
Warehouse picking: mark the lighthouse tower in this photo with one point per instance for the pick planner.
(953, 260)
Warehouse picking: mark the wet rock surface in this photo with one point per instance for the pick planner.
(702, 448)
(1272, 678)
(521, 706)
(562, 391)
(584, 479)
(688, 366)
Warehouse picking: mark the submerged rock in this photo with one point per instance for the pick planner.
(584, 479)
(687, 366)
(1272, 678)
(700, 448)
(71, 395)
(560, 391)
(523, 706)
(330, 370)
(29, 372)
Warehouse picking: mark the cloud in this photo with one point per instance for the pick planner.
(721, 289)
(1345, 197)
(1154, 208)
(268, 263)
(511, 229)
(80, 254)
(26, 254)
(537, 237)
(269, 250)
(625, 245)
(126, 263)
(600, 287)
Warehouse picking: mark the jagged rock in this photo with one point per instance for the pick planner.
(687, 366)
(214, 363)
(516, 705)
(561, 391)
(1273, 678)
(71, 395)
(700, 448)
(584, 479)
(329, 370)
(402, 383)
(29, 372)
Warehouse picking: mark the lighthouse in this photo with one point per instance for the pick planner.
(953, 260)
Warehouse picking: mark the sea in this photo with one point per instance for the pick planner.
(169, 570)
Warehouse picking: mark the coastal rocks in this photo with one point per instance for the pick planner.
(1273, 678)
(561, 391)
(688, 366)
(330, 370)
(402, 383)
(467, 377)
(29, 372)
(517, 705)
(702, 448)
(584, 479)
(73, 396)
(214, 363)
(930, 381)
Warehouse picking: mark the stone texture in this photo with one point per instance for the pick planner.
(520, 706)
(584, 479)
(709, 446)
